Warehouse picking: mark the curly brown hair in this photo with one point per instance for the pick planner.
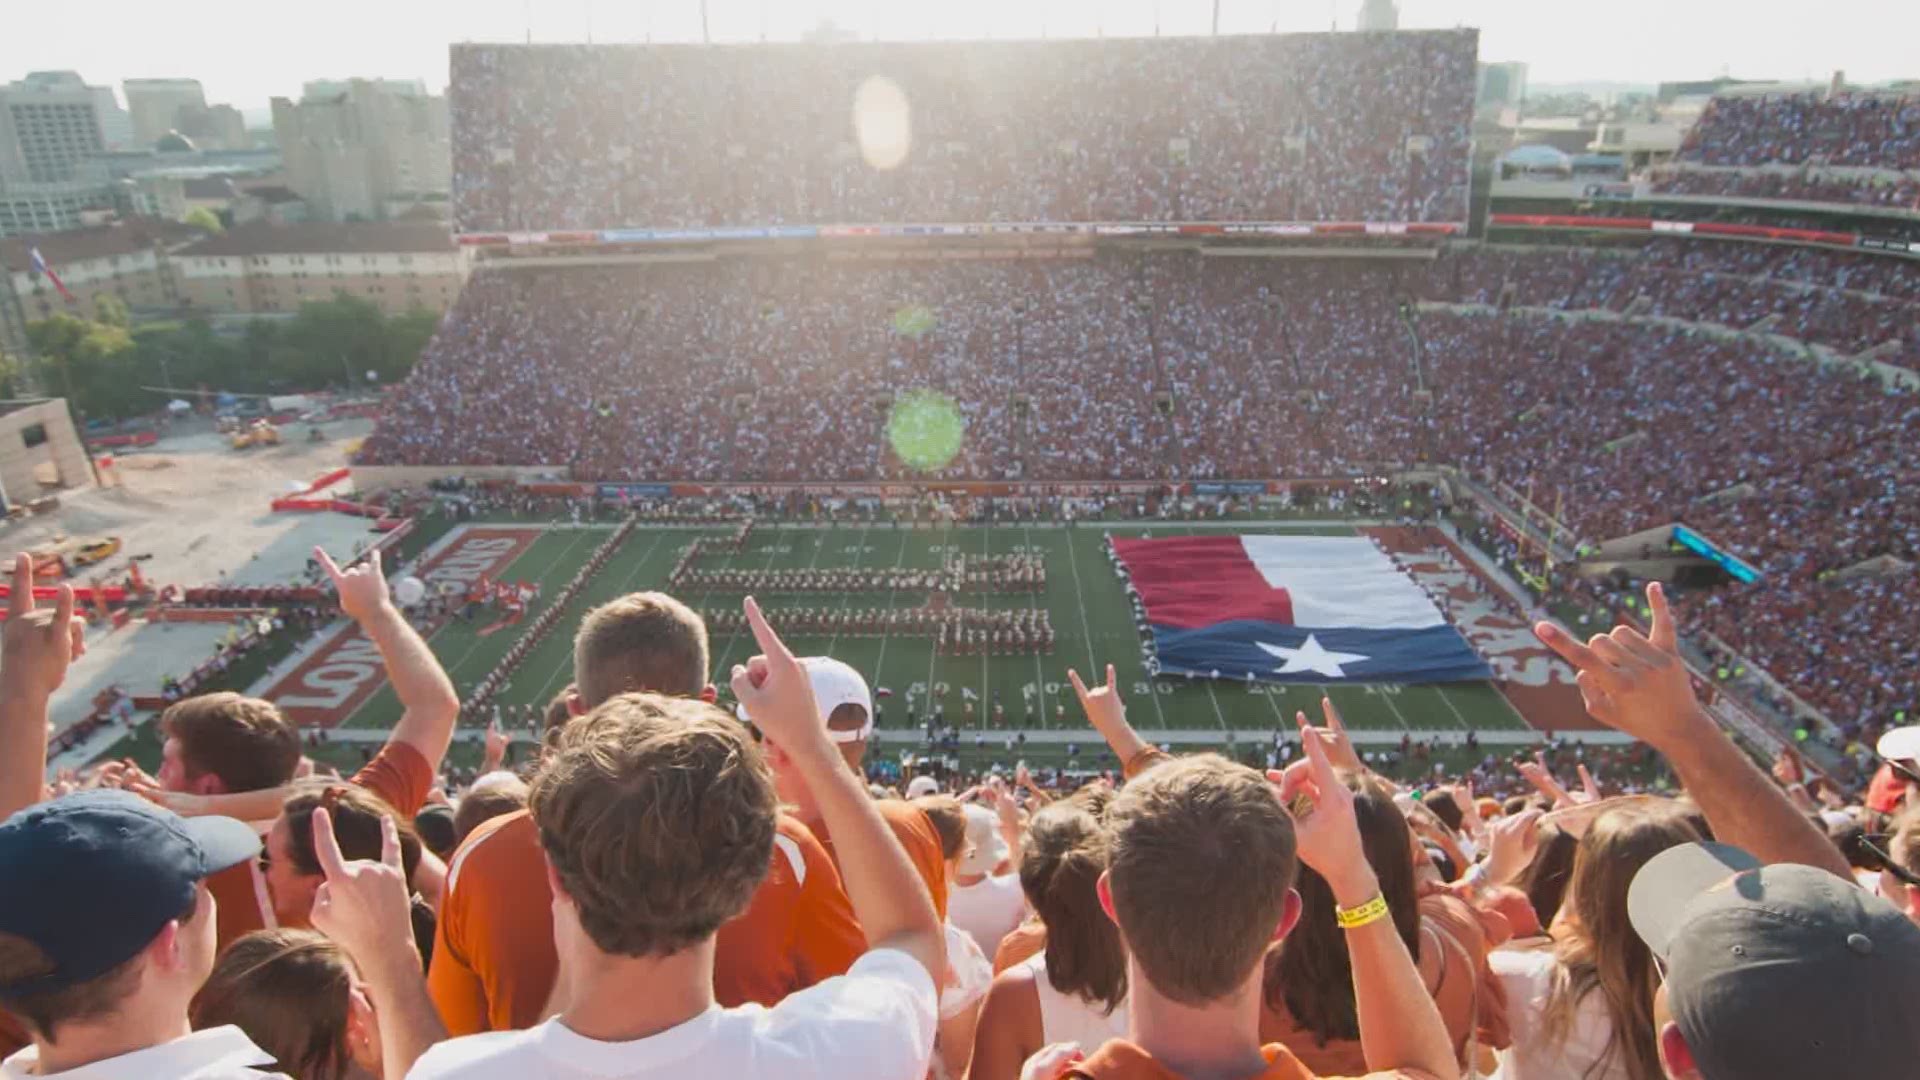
(657, 814)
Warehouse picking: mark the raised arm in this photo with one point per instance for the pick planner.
(363, 905)
(1108, 715)
(1637, 684)
(432, 706)
(1401, 1032)
(36, 647)
(887, 894)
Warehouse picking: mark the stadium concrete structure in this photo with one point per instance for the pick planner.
(1224, 269)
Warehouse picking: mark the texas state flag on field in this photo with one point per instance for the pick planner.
(1318, 609)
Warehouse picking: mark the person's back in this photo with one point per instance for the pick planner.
(1581, 1008)
(1200, 883)
(636, 909)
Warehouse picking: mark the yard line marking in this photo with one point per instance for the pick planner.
(860, 551)
(986, 601)
(899, 559)
(1086, 631)
(732, 638)
(1039, 674)
(626, 586)
(1448, 702)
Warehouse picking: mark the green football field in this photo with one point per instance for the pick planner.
(1087, 606)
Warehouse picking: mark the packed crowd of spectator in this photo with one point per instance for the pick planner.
(1303, 127)
(1868, 130)
(1862, 189)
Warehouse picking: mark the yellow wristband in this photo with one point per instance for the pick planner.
(1370, 912)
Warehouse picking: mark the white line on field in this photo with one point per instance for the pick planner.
(626, 586)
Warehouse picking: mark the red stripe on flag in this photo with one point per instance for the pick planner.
(1193, 581)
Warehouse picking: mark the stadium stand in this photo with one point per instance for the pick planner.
(1857, 149)
(1283, 127)
(1865, 130)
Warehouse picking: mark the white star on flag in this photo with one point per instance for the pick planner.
(1312, 657)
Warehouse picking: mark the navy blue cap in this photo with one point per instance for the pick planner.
(94, 876)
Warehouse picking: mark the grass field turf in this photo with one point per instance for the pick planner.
(1089, 611)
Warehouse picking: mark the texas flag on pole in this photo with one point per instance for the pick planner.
(39, 264)
(1316, 609)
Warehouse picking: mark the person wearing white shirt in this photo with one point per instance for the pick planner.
(636, 908)
(981, 901)
(107, 932)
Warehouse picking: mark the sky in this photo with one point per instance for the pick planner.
(244, 51)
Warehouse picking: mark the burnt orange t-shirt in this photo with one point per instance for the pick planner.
(1118, 1059)
(494, 961)
(914, 829)
(1472, 1003)
(1022, 944)
(400, 775)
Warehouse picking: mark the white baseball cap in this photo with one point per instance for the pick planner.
(986, 848)
(834, 684)
(1900, 744)
(922, 785)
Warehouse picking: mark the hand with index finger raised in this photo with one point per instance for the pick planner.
(777, 693)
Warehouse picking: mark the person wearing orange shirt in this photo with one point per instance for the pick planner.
(843, 697)
(1200, 882)
(494, 965)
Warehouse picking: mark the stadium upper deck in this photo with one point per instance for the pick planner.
(1307, 127)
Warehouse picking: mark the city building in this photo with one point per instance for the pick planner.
(162, 107)
(49, 124)
(1379, 15)
(156, 105)
(356, 152)
(263, 268)
(1503, 85)
(129, 260)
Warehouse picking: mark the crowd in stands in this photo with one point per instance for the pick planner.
(1863, 189)
(1339, 127)
(664, 891)
(1867, 130)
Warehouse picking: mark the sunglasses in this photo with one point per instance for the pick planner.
(1878, 845)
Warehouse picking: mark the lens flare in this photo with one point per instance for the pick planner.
(882, 122)
(926, 429)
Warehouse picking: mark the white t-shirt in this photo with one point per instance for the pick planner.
(988, 910)
(1528, 976)
(876, 1022)
(220, 1053)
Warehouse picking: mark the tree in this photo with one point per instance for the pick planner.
(202, 218)
(95, 365)
(112, 310)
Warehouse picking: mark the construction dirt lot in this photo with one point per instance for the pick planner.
(192, 511)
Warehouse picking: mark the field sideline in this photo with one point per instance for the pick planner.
(1088, 609)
